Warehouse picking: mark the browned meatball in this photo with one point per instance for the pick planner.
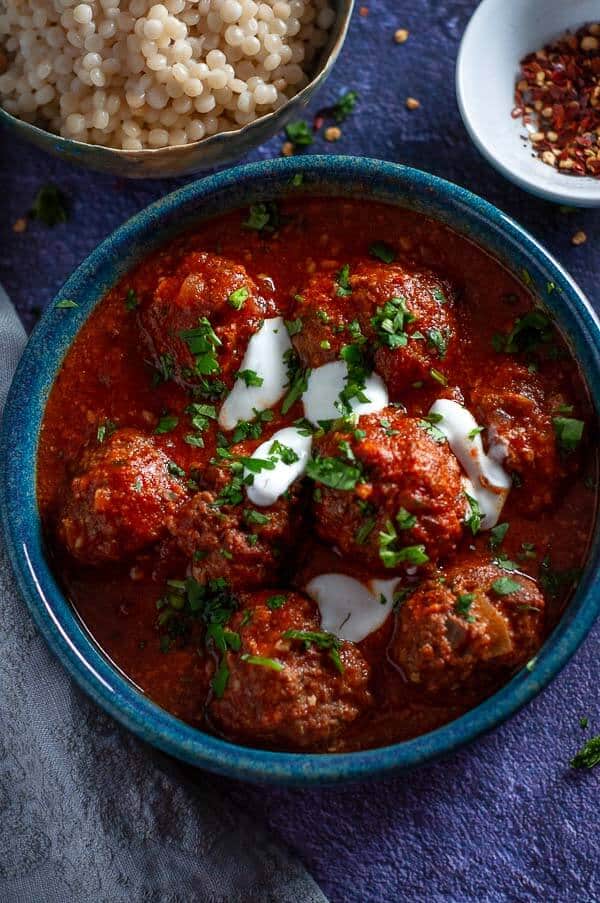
(205, 312)
(405, 315)
(482, 621)
(227, 536)
(288, 692)
(407, 506)
(518, 413)
(119, 500)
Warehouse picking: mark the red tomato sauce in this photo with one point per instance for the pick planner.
(106, 380)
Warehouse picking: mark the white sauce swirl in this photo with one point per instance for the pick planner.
(351, 610)
(323, 391)
(489, 482)
(268, 485)
(265, 356)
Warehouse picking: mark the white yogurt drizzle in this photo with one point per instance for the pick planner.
(265, 356)
(268, 485)
(321, 399)
(351, 610)
(488, 482)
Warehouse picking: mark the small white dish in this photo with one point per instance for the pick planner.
(499, 35)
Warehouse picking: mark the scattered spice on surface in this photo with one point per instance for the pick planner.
(401, 35)
(579, 238)
(558, 93)
(412, 103)
(333, 133)
(20, 225)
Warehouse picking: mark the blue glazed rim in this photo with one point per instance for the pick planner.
(57, 621)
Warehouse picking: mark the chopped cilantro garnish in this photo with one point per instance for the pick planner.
(236, 299)
(50, 206)
(105, 429)
(463, 605)
(202, 343)
(294, 326)
(298, 180)
(405, 519)
(427, 424)
(365, 530)
(251, 516)
(345, 106)
(439, 296)
(497, 535)
(473, 518)
(437, 340)
(390, 322)
(262, 661)
(392, 556)
(66, 304)
(283, 452)
(505, 586)
(325, 641)
(263, 217)
(256, 465)
(250, 377)
(220, 679)
(252, 429)
(568, 432)
(382, 251)
(175, 470)
(297, 380)
(334, 472)
(438, 377)
(555, 583)
(131, 300)
(274, 602)
(589, 754)
(299, 133)
(196, 441)
(476, 431)
(343, 281)
(355, 382)
(166, 424)
(528, 332)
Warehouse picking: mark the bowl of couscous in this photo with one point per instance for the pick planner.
(152, 90)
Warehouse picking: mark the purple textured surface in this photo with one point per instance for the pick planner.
(505, 819)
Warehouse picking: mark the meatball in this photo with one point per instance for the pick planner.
(512, 403)
(226, 536)
(119, 500)
(480, 623)
(288, 692)
(182, 343)
(407, 505)
(405, 314)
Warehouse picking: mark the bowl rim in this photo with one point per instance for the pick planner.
(73, 148)
(19, 434)
(588, 193)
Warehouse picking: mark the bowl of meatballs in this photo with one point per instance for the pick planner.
(302, 481)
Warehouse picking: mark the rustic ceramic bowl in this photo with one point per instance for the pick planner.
(498, 36)
(336, 176)
(215, 150)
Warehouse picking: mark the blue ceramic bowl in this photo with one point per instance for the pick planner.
(340, 176)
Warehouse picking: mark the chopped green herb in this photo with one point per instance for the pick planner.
(463, 605)
(105, 429)
(438, 377)
(50, 206)
(568, 432)
(263, 217)
(166, 424)
(431, 429)
(298, 180)
(364, 531)
(392, 556)
(325, 641)
(405, 519)
(251, 516)
(237, 298)
(66, 304)
(256, 465)
(334, 472)
(131, 300)
(202, 343)
(343, 281)
(382, 251)
(175, 470)
(473, 518)
(437, 340)
(345, 106)
(220, 679)
(325, 345)
(262, 661)
(589, 754)
(250, 377)
(439, 296)
(390, 322)
(299, 133)
(555, 583)
(505, 586)
(476, 431)
(529, 332)
(297, 380)
(584, 722)
(275, 602)
(283, 452)
(294, 326)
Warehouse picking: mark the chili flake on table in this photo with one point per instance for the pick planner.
(558, 92)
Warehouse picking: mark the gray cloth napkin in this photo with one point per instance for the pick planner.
(89, 813)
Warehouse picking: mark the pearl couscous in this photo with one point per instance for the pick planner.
(132, 75)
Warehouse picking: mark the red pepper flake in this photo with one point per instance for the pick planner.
(558, 93)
